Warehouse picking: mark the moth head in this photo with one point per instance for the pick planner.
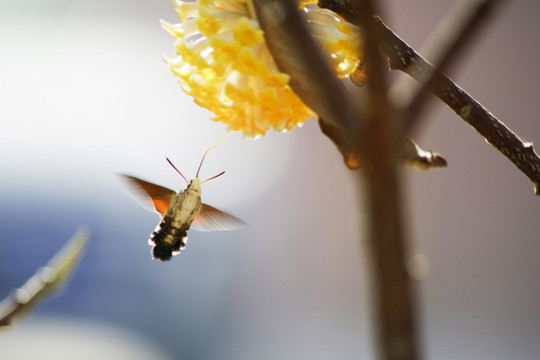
(194, 183)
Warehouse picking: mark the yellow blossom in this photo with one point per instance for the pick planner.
(223, 62)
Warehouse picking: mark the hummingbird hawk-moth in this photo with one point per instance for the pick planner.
(180, 212)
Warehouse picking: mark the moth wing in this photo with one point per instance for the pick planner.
(160, 196)
(210, 218)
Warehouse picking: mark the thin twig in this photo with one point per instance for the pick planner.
(402, 57)
(46, 281)
(521, 153)
(411, 153)
(453, 36)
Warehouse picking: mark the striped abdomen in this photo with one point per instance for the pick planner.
(170, 236)
(168, 239)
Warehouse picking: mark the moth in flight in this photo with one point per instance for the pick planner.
(180, 212)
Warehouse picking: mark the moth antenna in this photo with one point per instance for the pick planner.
(206, 152)
(178, 171)
(213, 177)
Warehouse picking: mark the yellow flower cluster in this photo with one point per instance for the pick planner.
(223, 63)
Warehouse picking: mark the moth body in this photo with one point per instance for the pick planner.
(170, 236)
(181, 211)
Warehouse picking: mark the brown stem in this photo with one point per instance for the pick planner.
(377, 142)
(393, 294)
(295, 53)
(46, 281)
(520, 153)
(402, 57)
(411, 154)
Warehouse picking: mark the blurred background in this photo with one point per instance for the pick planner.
(84, 94)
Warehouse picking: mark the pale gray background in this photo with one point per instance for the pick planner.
(84, 93)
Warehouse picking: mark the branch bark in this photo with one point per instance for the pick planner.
(296, 54)
(393, 294)
(46, 281)
(411, 153)
(521, 153)
(403, 58)
(372, 132)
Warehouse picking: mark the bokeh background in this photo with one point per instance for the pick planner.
(84, 94)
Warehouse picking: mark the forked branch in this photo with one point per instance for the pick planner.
(403, 57)
(521, 153)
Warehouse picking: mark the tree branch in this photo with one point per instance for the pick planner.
(46, 281)
(296, 54)
(411, 154)
(393, 295)
(402, 57)
(520, 153)
(370, 131)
